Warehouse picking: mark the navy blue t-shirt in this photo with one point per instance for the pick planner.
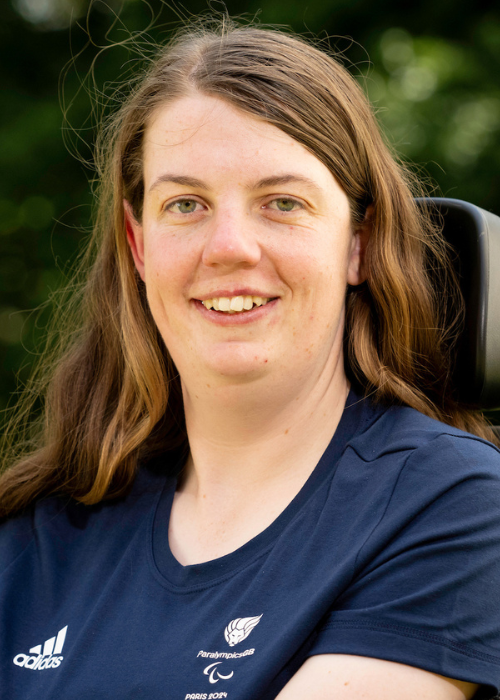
(390, 550)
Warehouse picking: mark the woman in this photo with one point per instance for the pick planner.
(213, 510)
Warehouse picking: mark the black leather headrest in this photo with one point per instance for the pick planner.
(475, 236)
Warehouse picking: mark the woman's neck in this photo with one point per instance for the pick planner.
(257, 432)
(252, 451)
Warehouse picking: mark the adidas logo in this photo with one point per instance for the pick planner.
(48, 658)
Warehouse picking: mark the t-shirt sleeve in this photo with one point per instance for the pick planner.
(426, 591)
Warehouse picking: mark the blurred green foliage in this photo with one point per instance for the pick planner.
(431, 70)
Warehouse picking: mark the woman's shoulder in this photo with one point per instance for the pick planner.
(58, 522)
(402, 451)
(404, 429)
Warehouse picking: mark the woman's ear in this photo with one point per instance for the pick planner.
(135, 238)
(356, 270)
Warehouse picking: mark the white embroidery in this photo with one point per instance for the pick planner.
(48, 658)
(239, 629)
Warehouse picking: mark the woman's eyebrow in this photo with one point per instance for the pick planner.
(286, 179)
(272, 181)
(179, 180)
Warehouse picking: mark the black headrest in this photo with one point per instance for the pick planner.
(475, 236)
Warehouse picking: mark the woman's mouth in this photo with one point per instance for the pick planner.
(235, 305)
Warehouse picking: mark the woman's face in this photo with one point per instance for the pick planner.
(236, 213)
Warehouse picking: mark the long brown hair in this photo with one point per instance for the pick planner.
(110, 393)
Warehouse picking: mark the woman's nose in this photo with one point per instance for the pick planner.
(232, 240)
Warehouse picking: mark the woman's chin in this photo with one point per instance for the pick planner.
(238, 363)
(243, 371)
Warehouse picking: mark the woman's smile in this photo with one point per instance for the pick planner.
(240, 303)
(236, 310)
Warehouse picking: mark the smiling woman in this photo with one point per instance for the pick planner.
(252, 463)
(218, 236)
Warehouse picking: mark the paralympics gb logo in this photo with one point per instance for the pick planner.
(239, 629)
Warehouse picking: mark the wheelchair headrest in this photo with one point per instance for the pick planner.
(475, 236)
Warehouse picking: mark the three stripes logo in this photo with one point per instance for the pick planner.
(48, 658)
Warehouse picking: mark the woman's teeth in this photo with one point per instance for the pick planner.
(234, 305)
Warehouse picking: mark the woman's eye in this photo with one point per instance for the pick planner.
(183, 206)
(284, 204)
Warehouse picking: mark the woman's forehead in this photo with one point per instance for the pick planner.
(196, 118)
(204, 135)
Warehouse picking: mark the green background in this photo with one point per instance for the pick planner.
(432, 71)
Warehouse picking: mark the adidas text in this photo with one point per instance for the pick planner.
(37, 663)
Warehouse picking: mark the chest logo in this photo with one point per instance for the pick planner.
(49, 657)
(213, 673)
(239, 629)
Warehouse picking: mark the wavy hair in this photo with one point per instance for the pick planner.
(109, 392)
